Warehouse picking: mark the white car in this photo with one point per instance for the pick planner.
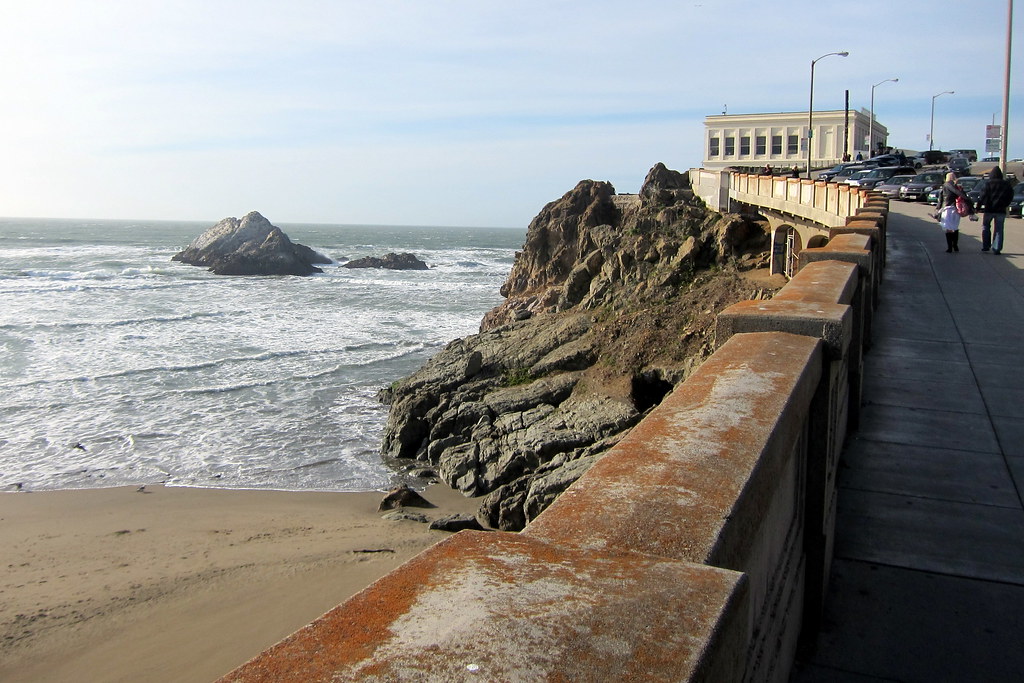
(855, 179)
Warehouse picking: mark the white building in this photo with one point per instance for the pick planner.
(781, 139)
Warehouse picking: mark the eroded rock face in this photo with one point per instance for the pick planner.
(392, 261)
(610, 303)
(250, 246)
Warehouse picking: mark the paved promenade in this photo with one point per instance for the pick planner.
(928, 580)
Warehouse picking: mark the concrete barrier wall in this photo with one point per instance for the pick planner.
(712, 187)
(697, 549)
(829, 204)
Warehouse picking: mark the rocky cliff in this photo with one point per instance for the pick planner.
(250, 246)
(610, 303)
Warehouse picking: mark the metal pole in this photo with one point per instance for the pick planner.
(846, 125)
(871, 124)
(810, 109)
(1006, 86)
(931, 129)
(810, 119)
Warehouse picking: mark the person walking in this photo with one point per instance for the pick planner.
(994, 198)
(949, 218)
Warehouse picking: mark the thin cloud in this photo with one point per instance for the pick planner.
(478, 113)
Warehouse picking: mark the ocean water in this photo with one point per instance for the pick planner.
(119, 366)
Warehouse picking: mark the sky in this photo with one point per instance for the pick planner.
(448, 112)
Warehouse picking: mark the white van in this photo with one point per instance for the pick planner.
(971, 154)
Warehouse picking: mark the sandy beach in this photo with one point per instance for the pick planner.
(180, 584)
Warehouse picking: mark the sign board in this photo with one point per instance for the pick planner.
(993, 138)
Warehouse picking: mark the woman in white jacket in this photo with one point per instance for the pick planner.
(949, 217)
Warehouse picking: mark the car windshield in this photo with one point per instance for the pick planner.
(899, 179)
(928, 178)
(860, 174)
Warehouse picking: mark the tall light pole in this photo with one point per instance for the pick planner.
(1006, 86)
(810, 109)
(931, 129)
(871, 125)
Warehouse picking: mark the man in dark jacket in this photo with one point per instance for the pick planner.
(994, 198)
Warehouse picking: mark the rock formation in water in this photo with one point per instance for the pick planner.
(392, 261)
(610, 303)
(250, 246)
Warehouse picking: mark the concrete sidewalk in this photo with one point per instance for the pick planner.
(928, 579)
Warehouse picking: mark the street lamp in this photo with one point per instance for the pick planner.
(1006, 86)
(810, 109)
(871, 124)
(931, 129)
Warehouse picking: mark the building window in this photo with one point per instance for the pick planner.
(745, 146)
(776, 144)
(730, 147)
(761, 145)
(713, 147)
(794, 144)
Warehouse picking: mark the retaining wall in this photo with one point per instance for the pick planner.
(697, 549)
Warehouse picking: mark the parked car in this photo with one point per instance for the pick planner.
(876, 176)
(972, 185)
(970, 154)
(930, 157)
(996, 159)
(959, 165)
(855, 178)
(831, 173)
(921, 185)
(847, 173)
(891, 187)
(1014, 209)
(890, 160)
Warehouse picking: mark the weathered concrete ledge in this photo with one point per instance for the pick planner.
(835, 281)
(830, 322)
(714, 475)
(504, 606)
(853, 248)
(866, 225)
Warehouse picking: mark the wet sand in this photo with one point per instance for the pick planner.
(179, 584)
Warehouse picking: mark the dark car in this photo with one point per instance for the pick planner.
(837, 169)
(891, 160)
(959, 165)
(932, 156)
(921, 185)
(877, 176)
(972, 185)
(1014, 209)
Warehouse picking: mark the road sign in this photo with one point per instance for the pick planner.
(993, 139)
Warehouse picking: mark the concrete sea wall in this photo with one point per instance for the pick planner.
(697, 549)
